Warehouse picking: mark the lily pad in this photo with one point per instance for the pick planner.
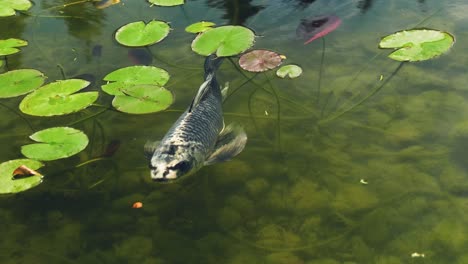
(19, 82)
(55, 143)
(57, 98)
(417, 44)
(137, 34)
(291, 71)
(167, 2)
(9, 46)
(224, 41)
(143, 99)
(8, 7)
(198, 27)
(260, 60)
(10, 185)
(134, 75)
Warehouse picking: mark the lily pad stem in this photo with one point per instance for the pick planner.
(376, 89)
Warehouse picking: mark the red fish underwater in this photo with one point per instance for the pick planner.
(316, 27)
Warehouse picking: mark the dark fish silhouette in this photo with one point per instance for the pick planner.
(316, 27)
(140, 56)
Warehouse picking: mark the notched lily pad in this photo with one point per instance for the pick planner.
(19, 82)
(167, 2)
(291, 71)
(10, 46)
(143, 99)
(134, 75)
(137, 34)
(55, 143)
(10, 185)
(8, 7)
(57, 98)
(199, 27)
(417, 44)
(224, 41)
(260, 60)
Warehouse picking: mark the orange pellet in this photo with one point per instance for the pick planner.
(137, 205)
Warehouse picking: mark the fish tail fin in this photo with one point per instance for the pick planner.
(212, 64)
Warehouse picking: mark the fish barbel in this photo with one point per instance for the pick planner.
(198, 137)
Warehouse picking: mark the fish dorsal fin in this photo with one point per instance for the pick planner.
(204, 87)
(231, 141)
(150, 147)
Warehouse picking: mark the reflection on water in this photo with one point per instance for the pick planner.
(385, 183)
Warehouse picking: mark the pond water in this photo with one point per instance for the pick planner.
(324, 179)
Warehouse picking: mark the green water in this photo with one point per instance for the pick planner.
(315, 186)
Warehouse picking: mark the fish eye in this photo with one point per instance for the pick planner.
(182, 167)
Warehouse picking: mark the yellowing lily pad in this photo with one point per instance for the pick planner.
(198, 27)
(57, 98)
(137, 34)
(9, 46)
(8, 7)
(55, 143)
(417, 44)
(224, 41)
(167, 2)
(291, 71)
(10, 185)
(143, 99)
(19, 82)
(134, 75)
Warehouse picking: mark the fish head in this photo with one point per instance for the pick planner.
(167, 167)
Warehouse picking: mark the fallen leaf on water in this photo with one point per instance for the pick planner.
(23, 172)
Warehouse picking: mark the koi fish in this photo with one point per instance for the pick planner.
(198, 137)
(313, 28)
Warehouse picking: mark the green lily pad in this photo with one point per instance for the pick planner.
(134, 75)
(8, 7)
(291, 70)
(137, 34)
(57, 98)
(19, 82)
(10, 185)
(9, 46)
(417, 44)
(225, 41)
(167, 2)
(198, 27)
(55, 143)
(143, 99)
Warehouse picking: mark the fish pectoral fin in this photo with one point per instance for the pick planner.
(231, 141)
(150, 147)
(224, 91)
